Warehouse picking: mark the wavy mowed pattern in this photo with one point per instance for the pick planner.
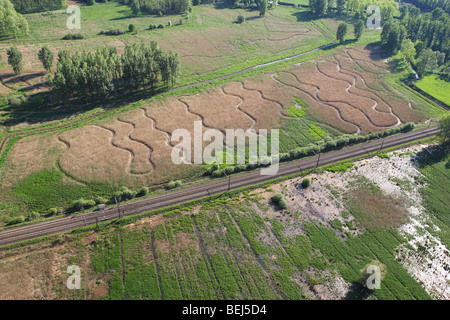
(139, 152)
(219, 110)
(91, 157)
(265, 112)
(369, 76)
(145, 132)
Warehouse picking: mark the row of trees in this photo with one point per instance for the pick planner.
(102, 73)
(358, 7)
(158, 6)
(11, 22)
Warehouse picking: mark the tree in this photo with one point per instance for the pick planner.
(340, 4)
(408, 50)
(359, 29)
(341, 31)
(15, 59)
(174, 66)
(132, 28)
(444, 125)
(391, 36)
(240, 18)
(11, 22)
(319, 7)
(46, 56)
(262, 8)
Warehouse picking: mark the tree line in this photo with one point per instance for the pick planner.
(158, 6)
(103, 73)
(431, 4)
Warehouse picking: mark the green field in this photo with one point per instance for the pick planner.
(436, 87)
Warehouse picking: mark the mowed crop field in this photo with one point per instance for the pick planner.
(209, 42)
(245, 248)
(343, 92)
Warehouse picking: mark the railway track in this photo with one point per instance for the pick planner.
(73, 222)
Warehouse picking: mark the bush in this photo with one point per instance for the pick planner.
(306, 183)
(160, 14)
(33, 215)
(16, 220)
(132, 28)
(160, 26)
(143, 192)
(152, 26)
(240, 19)
(277, 197)
(178, 183)
(112, 32)
(73, 36)
(171, 185)
(282, 204)
(229, 170)
(53, 211)
(17, 101)
(81, 204)
(100, 200)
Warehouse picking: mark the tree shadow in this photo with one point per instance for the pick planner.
(433, 154)
(305, 16)
(357, 292)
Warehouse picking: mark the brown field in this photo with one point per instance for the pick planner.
(135, 147)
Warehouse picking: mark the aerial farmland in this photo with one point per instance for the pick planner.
(118, 158)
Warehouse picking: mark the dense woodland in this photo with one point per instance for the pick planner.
(101, 74)
(431, 4)
(29, 6)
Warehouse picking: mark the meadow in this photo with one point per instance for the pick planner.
(435, 87)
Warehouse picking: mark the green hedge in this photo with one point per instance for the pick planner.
(326, 145)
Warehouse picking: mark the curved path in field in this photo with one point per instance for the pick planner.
(201, 191)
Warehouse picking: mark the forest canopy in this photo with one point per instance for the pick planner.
(11, 22)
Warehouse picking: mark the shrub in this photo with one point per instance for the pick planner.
(100, 200)
(73, 36)
(277, 197)
(81, 204)
(217, 173)
(33, 215)
(17, 101)
(306, 183)
(53, 211)
(16, 220)
(152, 26)
(132, 28)
(160, 14)
(171, 185)
(178, 183)
(229, 170)
(282, 204)
(143, 191)
(240, 18)
(112, 32)
(160, 26)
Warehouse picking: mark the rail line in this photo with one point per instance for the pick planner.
(73, 222)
